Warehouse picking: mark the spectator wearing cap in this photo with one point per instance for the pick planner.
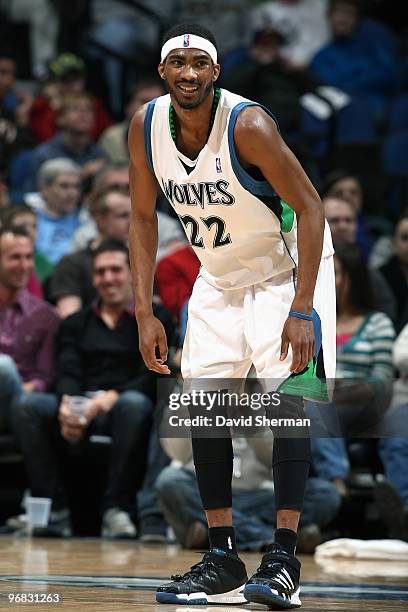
(75, 119)
(27, 325)
(66, 76)
(57, 209)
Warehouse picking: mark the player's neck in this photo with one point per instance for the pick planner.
(195, 120)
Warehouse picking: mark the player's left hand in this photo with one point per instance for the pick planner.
(299, 334)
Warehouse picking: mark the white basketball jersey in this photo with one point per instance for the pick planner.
(236, 223)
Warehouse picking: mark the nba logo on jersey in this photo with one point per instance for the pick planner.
(218, 165)
(186, 41)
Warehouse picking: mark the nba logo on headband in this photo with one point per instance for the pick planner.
(190, 41)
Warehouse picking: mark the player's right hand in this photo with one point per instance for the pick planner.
(152, 335)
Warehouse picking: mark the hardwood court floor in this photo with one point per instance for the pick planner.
(102, 576)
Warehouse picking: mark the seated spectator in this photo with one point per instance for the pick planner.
(346, 186)
(175, 276)
(114, 175)
(391, 491)
(15, 132)
(21, 215)
(365, 339)
(114, 140)
(66, 76)
(28, 326)
(364, 369)
(71, 287)
(6, 220)
(97, 357)
(253, 495)
(266, 78)
(75, 120)
(360, 58)
(342, 219)
(304, 24)
(395, 271)
(57, 208)
(108, 175)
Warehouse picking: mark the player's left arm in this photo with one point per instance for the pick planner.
(258, 143)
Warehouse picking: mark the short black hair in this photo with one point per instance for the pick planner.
(111, 245)
(189, 28)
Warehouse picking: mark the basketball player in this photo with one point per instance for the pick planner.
(264, 294)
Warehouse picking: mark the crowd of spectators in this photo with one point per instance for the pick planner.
(334, 73)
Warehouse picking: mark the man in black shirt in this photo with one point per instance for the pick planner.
(97, 356)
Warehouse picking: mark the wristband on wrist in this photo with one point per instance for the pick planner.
(300, 315)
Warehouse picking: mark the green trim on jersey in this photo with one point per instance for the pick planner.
(288, 217)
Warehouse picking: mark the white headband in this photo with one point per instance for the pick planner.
(189, 41)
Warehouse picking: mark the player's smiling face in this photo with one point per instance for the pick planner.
(190, 75)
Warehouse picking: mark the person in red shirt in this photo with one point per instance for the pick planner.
(175, 275)
(67, 75)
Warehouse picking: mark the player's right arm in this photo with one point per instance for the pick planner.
(143, 248)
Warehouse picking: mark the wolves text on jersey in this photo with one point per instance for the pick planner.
(198, 194)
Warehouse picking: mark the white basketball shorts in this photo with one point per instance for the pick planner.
(228, 331)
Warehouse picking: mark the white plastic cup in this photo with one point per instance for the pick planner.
(78, 405)
(38, 511)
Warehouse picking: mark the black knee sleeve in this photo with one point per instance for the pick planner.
(213, 460)
(291, 453)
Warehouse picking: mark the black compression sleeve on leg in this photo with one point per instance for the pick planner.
(291, 454)
(213, 460)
